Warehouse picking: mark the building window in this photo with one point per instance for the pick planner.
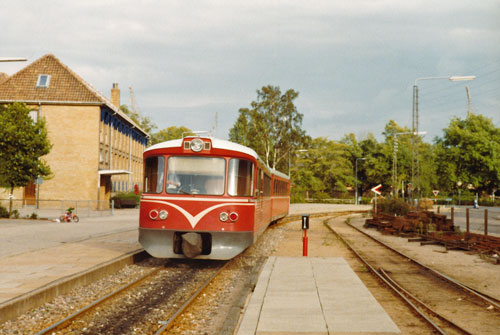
(43, 80)
(34, 115)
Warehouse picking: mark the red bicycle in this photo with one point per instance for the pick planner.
(69, 216)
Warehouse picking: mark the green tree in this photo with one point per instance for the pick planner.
(332, 164)
(272, 126)
(239, 132)
(170, 133)
(469, 152)
(142, 121)
(22, 144)
(321, 170)
(376, 168)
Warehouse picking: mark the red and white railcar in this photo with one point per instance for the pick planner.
(207, 198)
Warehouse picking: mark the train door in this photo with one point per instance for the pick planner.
(258, 201)
(267, 198)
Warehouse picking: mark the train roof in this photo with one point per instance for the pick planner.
(217, 144)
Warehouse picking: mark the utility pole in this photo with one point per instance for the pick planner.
(470, 108)
(133, 103)
(214, 128)
(414, 129)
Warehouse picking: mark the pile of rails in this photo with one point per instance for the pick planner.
(435, 228)
(484, 244)
(422, 222)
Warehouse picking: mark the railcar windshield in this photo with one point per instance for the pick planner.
(154, 173)
(240, 178)
(196, 175)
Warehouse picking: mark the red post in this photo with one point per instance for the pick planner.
(304, 243)
(485, 221)
(467, 220)
(305, 227)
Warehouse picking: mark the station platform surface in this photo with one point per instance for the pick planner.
(37, 256)
(312, 295)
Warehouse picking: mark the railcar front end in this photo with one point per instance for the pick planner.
(198, 199)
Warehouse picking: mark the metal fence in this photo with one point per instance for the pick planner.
(54, 208)
(330, 201)
(475, 220)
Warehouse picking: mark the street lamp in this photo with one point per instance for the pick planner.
(459, 184)
(356, 179)
(12, 59)
(415, 124)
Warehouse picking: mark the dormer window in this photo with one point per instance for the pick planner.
(43, 80)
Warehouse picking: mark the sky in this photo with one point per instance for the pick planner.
(353, 62)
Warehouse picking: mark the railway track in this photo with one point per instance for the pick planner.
(148, 305)
(448, 306)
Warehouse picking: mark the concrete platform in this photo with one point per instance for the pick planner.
(312, 295)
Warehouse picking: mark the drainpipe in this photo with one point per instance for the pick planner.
(130, 162)
(39, 115)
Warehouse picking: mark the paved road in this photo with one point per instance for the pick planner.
(19, 236)
(476, 217)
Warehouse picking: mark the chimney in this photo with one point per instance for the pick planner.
(115, 95)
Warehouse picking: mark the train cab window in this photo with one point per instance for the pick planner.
(154, 174)
(240, 178)
(196, 175)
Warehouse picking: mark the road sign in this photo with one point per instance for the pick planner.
(436, 192)
(376, 189)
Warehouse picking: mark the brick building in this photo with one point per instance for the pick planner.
(96, 147)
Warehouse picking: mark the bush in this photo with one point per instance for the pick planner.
(296, 198)
(393, 206)
(4, 213)
(320, 197)
(124, 200)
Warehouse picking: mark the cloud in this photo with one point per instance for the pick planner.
(353, 62)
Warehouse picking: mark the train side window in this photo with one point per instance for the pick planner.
(240, 177)
(154, 172)
(259, 182)
(267, 185)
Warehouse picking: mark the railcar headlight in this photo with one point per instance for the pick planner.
(223, 216)
(163, 214)
(153, 214)
(233, 216)
(196, 145)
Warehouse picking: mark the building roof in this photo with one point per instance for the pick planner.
(64, 87)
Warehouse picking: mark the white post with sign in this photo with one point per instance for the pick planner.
(436, 192)
(376, 190)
